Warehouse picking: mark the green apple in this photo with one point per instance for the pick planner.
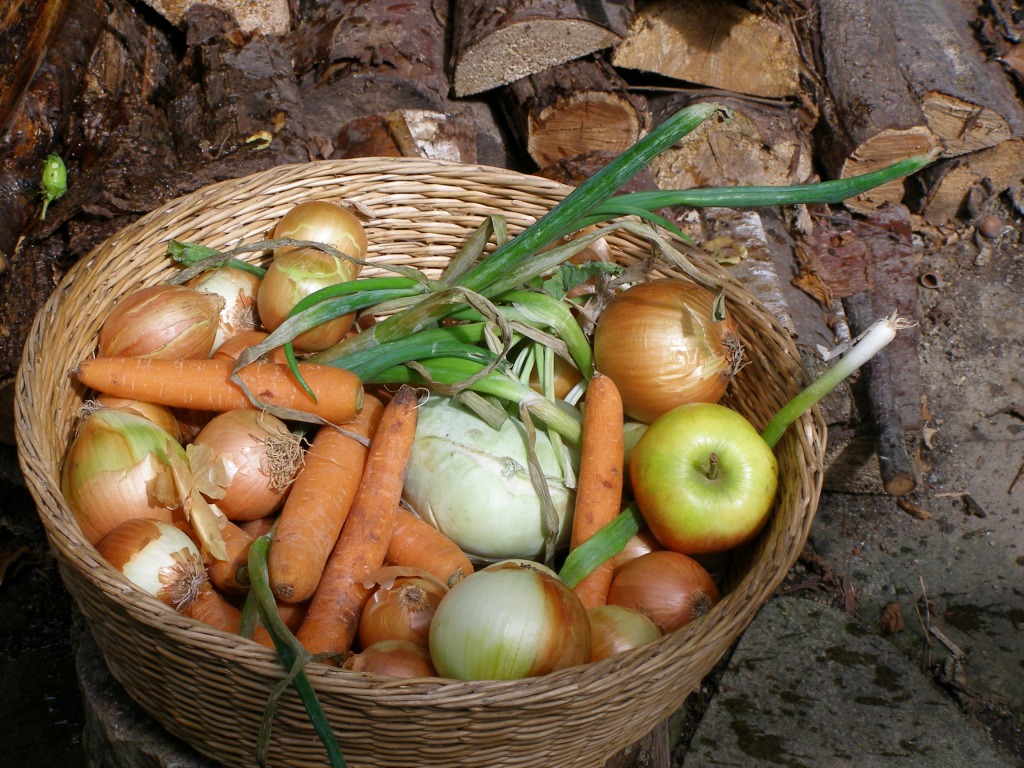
(703, 478)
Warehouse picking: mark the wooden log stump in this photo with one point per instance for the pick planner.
(712, 43)
(27, 27)
(574, 108)
(870, 118)
(499, 41)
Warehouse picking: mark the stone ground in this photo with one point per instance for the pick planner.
(821, 677)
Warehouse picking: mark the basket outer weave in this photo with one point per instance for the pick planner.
(210, 688)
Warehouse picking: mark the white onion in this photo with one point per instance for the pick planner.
(238, 289)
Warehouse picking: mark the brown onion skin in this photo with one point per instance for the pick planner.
(321, 221)
(639, 544)
(401, 610)
(392, 658)
(616, 629)
(671, 588)
(168, 322)
(660, 345)
(240, 434)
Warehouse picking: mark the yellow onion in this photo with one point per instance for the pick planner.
(245, 461)
(615, 629)
(392, 658)
(665, 343)
(401, 606)
(161, 415)
(157, 557)
(118, 467)
(513, 619)
(167, 322)
(321, 221)
(293, 276)
(238, 288)
(671, 588)
(639, 544)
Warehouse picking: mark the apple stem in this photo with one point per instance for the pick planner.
(712, 470)
(865, 346)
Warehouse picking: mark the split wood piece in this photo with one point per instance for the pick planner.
(869, 116)
(373, 83)
(574, 108)
(893, 376)
(26, 27)
(497, 42)
(760, 143)
(712, 43)
(967, 100)
(943, 191)
(267, 17)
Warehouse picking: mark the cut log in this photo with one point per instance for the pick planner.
(759, 144)
(267, 17)
(869, 117)
(967, 101)
(499, 41)
(574, 108)
(373, 82)
(27, 28)
(940, 192)
(712, 43)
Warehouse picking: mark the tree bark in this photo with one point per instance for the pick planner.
(574, 108)
(870, 118)
(499, 41)
(712, 43)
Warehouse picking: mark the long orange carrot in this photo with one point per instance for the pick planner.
(205, 385)
(230, 575)
(333, 617)
(213, 608)
(599, 486)
(317, 505)
(418, 544)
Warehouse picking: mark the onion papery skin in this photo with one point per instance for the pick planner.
(508, 621)
(392, 658)
(660, 344)
(165, 322)
(157, 557)
(321, 221)
(243, 443)
(292, 277)
(118, 468)
(616, 629)
(670, 588)
(472, 483)
(638, 545)
(401, 610)
(238, 289)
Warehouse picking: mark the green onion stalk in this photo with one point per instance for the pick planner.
(610, 540)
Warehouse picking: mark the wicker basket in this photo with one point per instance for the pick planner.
(210, 688)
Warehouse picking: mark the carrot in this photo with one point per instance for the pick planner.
(333, 616)
(318, 504)
(233, 346)
(417, 544)
(213, 608)
(204, 385)
(259, 526)
(599, 486)
(231, 575)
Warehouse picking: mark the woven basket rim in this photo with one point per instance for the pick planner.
(806, 437)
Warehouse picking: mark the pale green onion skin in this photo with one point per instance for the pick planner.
(118, 468)
(509, 621)
(472, 483)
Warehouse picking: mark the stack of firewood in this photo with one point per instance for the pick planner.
(149, 99)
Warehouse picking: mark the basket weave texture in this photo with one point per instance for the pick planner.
(210, 688)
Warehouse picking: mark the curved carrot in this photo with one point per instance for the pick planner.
(213, 608)
(599, 486)
(317, 505)
(417, 544)
(205, 385)
(333, 617)
(230, 575)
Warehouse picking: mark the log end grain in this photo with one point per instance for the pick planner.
(270, 17)
(520, 50)
(962, 126)
(882, 149)
(582, 123)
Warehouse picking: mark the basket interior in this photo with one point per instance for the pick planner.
(209, 688)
